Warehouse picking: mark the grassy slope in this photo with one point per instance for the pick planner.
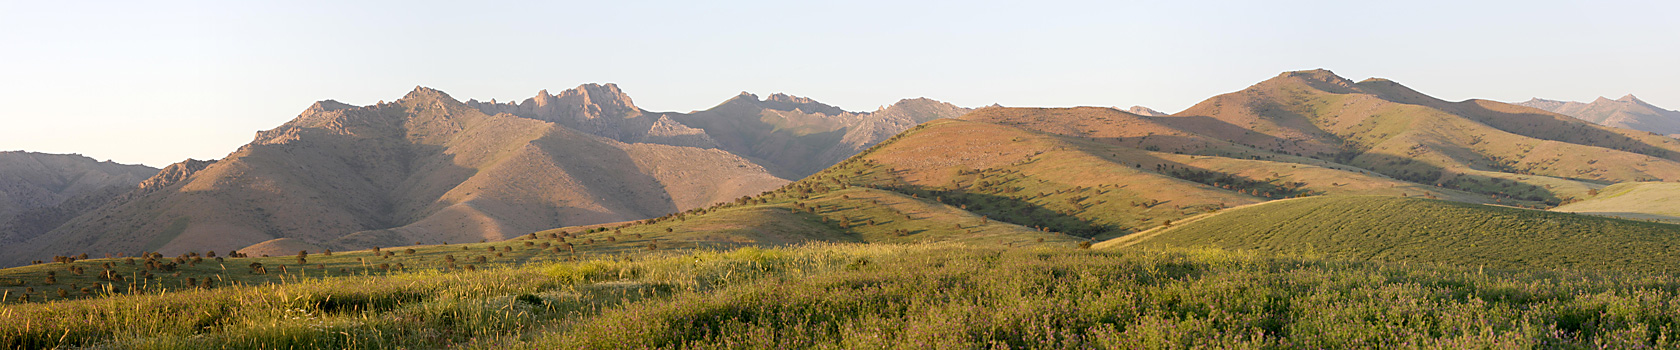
(890, 296)
(1091, 178)
(777, 220)
(1430, 231)
(1385, 127)
(1634, 200)
(783, 222)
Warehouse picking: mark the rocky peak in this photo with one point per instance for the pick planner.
(1144, 111)
(785, 98)
(919, 102)
(785, 102)
(916, 111)
(1320, 78)
(327, 106)
(604, 97)
(421, 92)
(1544, 104)
(583, 103)
(174, 173)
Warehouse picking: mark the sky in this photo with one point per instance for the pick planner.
(156, 82)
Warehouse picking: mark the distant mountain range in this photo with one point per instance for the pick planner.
(40, 191)
(1387, 173)
(1627, 112)
(429, 168)
(1146, 111)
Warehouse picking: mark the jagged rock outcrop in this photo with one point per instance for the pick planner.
(598, 109)
(793, 136)
(173, 173)
(666, 131)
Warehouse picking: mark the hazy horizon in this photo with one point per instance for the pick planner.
(158, 83)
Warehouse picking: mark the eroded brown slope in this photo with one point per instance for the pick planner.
(423, 168)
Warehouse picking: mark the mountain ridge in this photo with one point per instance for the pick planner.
(41, 190)
(429, 168)
(1628, 112)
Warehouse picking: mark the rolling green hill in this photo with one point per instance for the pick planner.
(1373, 228)
(1633, 200)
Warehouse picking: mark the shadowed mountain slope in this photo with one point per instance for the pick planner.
(425, 168)
(799, 136)
(790, 135)
(429, 168)
(39, 191)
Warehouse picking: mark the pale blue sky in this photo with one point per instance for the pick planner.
(155, 82)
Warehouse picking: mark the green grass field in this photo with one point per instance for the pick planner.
(878, 296)
(1371, 228)
(1633, 200)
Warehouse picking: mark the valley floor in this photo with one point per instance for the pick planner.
(872, 296)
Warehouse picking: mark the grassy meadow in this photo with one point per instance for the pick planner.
(1633, 200)
(875, 296)
(1375, 228)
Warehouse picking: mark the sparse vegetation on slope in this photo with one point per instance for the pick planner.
(1370, 228)
(1097, 186)
(819, 209)
(1504, 151)
(39, 191)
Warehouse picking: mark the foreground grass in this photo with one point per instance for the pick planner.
(890, 296)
